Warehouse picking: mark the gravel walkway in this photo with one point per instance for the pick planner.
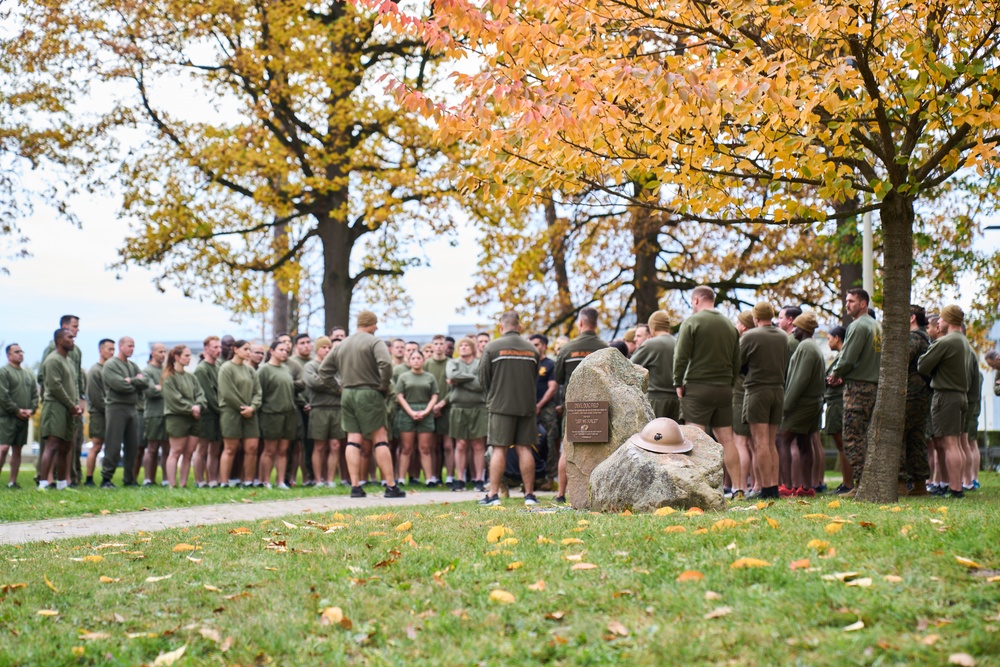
(203, 515)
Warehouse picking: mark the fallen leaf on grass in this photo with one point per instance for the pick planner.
(108, 580)
(815, 516)
(664, 511)
(840, 576)
(403, 527)
(690, 575)
(571, 540)
(89, 559)
(818, 545)
(675, 529)
(615, 627)
(584, 566)
(971, 564)
(930, 640)
(501, 596)
(152, 580)
(509, 541)
(167, 659)
(516, 565)
(94, 636)
(47, 612)
(78, 651)
(6, 588)
(105, 512)
(537, 586)
(289, 526)
(210, 587)
(50, 584)
(962, 659)
(833, 505)
(718, 612)
(799, 564)
(238, 596)
(866, 524)
(556, 615)
(210, 634)
(855, 626)
(772, 523)
(242, 530)
(694, 511)
(193, 559)
(712, 595)
(544, 540)
(723, 524)
(573, 557)
(743, 563)
(893, 578)
(335, 616)
(833, 528)
(700, 531)
(496, 533)
(182, 547)
(863, 582)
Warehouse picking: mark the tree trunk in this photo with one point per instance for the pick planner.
(279, 303)
(646, 248)
(557, 245)
(885, 436)
(851, 274)
(338, 287)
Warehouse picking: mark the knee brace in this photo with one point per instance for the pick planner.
(353, 444)
(381, 444)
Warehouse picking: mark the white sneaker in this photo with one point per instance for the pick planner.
(43, 485)
(266, 485)
(61, 484)
(283, 486)
(234, 482)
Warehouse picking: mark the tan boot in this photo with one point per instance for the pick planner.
(850, 494)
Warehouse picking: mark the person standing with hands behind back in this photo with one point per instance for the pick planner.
(239, 401)
(183, 401)
(18, 402)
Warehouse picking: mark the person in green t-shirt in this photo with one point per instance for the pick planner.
(278, 413)
(239, 403)
(60, 408)
(468, 416)
(157, 447)
(444, 445)
(18, 402)
(183, 405)
(95, 406)
(324, 418)
(417, 392)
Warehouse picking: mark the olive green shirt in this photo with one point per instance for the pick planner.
(238, 386)
(439, 369)
(417, 388)
(319, 394)
(806, 379)
(764, 354)
(95, 389)
(277, 389)
(18, 391)
(76, 363)
(465, 388)
(181, 392)
(153, 396)
(116, 390)
(296, 366)
(861, 355)
(573, 353)
(60, 381)
(947, 363)
(207, 375)
(656, 355)
(508, 370)
(707, 350)
(362, 360)
(834, 393)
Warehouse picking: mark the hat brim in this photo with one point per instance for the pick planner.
(658, 448)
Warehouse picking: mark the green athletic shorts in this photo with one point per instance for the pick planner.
(507, 430)
(468, 423)
(972, 420)
(279, 425)
(57, 422)
(763, 406)
(406, 425)
(208, 426)
(235, 427)
(362, 410)
(13, 431)
(324, 424)
(181, 426)
(948, 413)
(708, 405)
(803, 418)
(97, 427)
(155, 429)
(441, 424)
(739, 428)
(665, 406)
(834, 422)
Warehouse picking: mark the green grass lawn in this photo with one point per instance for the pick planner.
(415, 588)
(27, 503)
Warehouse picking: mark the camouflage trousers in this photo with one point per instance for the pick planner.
(859, 401)
(547, 418)
(913, 465)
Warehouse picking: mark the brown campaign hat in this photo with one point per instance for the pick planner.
(953, 315)
(806, 321)
(763, 311)
(662, 436)
(367, 318)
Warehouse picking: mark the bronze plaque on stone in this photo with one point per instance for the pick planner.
(587, 421)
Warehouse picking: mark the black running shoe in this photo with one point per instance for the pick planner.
(358, 492)
(107, 484)
(394, 492)
(954, 494)
(560, 500)
(89, 482)
(490, 501)
(530, 499)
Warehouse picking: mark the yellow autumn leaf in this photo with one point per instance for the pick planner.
(516, 565)
(571, 540)
(501, 597)
(664, 511)
(109, 580)
(743, 563)
(772, 523)
(405, 526)
(690, 575)
(151, 580)
(700, 531)
(182, 547)
(723, 524)
(78, 651)
(242, 530)
(833, 505)
(537, 586)
(818, 545)
(544, 540)
(833, 528)
(49, 583)
(93, 559)
(496, 533)
(815, 516)
(47, 612)
(167, 659)
(331, 616)
(971, 564)
(675, 529)
(799, 564)
(508, 541)
(584, 566)
(694, 511)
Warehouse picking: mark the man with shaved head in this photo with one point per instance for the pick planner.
(122, 383)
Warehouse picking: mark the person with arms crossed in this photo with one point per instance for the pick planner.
(122, 383)
(95, 404)
(60, 408)
(18, 402)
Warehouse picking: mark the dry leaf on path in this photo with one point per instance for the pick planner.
(167, 659)
(584, 566)
(617, 628)
(690, 575)
(962, 659)
(718, 612)
(501, 596)
(743, 563)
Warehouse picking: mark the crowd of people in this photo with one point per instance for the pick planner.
(358, 407)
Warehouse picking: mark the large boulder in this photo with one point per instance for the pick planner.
(605, 375)
(641, 481)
